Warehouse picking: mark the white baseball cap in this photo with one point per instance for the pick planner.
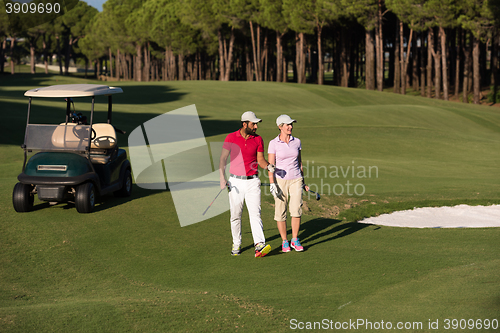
(284, 119)
(250, 116)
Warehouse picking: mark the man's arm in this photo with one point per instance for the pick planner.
(263, 163)
(222, 167)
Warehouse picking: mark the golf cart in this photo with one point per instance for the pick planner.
(73, 160)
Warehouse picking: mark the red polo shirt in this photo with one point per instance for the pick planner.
(243, 153)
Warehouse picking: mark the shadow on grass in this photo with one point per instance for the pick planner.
(318, 231)
(322, 230)
(102, 202)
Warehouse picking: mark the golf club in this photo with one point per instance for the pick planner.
(317, 194)
(214, 200)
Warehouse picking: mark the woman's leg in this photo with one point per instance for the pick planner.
(282, 229)
(280, 206)
(296, 205)
(295, 226)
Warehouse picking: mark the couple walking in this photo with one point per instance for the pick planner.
(284, 165)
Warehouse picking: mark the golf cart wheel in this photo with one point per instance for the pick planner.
(85, 198)
(126, 189)
(23, 198)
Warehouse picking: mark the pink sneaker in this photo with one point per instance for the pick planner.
(296, 245)
(285, 247)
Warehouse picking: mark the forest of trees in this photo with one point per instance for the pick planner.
(440, 48)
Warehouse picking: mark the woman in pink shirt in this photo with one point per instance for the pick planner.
(287, 181)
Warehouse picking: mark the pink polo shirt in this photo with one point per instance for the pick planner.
(287, 157)
(243, 153)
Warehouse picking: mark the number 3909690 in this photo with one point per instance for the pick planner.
(32, 8)
(470, 324)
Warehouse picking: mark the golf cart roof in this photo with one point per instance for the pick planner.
(73, 90)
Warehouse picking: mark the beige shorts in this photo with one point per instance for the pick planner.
(292, 194)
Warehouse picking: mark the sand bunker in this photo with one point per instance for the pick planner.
(461, 216)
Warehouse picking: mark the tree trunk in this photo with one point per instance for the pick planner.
(370, 60)
(44, 52)
(69, 53)
(180, 58)
(248, 63)
(147, 63)
(129, 66)
(12, 43)
(189, 68)
(2, 54)
(444, 58)
(259, 59)
(110, 62)
(99, 68)
(414, 56)
(344, 59)
(476, 70)
(118, 66)
(422, 66)
(229, 58)
(494, 66)
(467, 68)
(402, 61)
(405, 63)
(285, 70)
(86, 67)
(256, 63)
(437, 65)
(267, 75)
(222, 68)
(300, 57)
(321, 67)
(59, 57)
(430, 49)
(32, 55)
(297, 76)
(195, 67)
(263, 58)
(138, 63)
(397, 59)
(279, 57)
(379, 40)
(459, 36)
(173, 66)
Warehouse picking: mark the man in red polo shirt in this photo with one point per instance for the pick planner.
(247, 153)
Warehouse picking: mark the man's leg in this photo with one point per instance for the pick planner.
(236, 198)
(252, 198)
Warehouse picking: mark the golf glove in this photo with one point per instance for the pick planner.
(271, 167)
(275, 190)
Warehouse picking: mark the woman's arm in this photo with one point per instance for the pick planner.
(299, 160)
(272, 159)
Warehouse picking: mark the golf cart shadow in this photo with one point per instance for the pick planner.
(102, 202)
(321, 230)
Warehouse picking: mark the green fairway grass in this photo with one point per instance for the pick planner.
(130, 267)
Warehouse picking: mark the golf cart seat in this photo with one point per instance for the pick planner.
(104, 143)
(70, 136)
(75, 137)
